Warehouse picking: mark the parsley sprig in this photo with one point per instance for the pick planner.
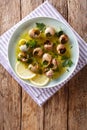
(67, 62)
(31, 43)
(41, 26)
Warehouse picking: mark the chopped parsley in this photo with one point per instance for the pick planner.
(41, 26)
(67, 63)
(71, 47)
(70, 62)
(18, 59)
(31, 43)
(64, 58)
(67, 70)
(58, 34)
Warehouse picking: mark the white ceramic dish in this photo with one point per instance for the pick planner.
(56, 24)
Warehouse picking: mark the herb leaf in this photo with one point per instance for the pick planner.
(27, 44)
(70, 62)
(71, 47)
(31, 43)
(58, 34)
(41, 26)
(64, 58)
(67, 70)
(67, 63)
(18, 59)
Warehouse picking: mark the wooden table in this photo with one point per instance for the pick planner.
(67, 109)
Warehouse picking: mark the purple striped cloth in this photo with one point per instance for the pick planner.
(39, 95)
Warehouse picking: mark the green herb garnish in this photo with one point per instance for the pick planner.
(18, 59)
(31, 43)
(64, 58)
(70, 62)
(41, 26)
(27, 44)
(71, 47)
(55, 55)
(67, 70)
(58, 34)
(67, 63)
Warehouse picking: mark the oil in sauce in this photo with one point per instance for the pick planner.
(40, 42)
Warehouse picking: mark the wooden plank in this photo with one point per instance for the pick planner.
(55, 117)
(10, 14)
(32, 114)
(28, 5)
(61, 6)
(9, 89)
(77, 12)
(55, 113)
(77, 114)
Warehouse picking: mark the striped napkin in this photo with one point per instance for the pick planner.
(39, 95)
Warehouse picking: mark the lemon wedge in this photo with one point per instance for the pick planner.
(39, 80)
(23, 72)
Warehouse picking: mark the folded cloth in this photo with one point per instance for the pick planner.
(41, 95)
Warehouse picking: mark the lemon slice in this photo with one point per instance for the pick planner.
(23, 72)
(39, 80)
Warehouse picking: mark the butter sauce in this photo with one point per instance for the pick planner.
(40, 43)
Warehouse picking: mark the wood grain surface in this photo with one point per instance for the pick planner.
(67, 109)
